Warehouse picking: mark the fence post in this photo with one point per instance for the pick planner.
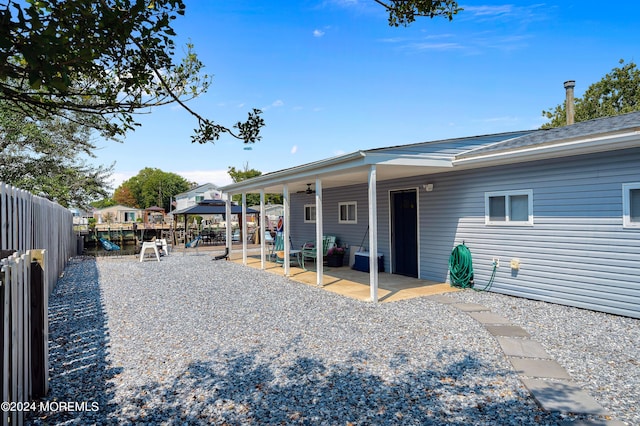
(39, 327)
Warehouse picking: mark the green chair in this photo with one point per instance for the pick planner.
(309, 250)
(278, 251)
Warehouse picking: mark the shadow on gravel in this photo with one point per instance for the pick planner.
(78, 337)
(241, 388)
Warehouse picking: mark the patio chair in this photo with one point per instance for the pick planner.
(278, 250)
(310, 251)
(269, 241)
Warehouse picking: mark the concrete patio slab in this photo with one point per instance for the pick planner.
(563, 396)
(488, 318)
(547, 368)
(507, 330)
(524, 348)
(355, 284)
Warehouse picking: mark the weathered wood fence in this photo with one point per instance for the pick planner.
(36, 241)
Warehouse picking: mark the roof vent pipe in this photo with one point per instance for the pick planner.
(569, 106)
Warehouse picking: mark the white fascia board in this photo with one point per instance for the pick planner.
(560, 149)
(408, 160)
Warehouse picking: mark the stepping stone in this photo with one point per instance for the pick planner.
(507, 330)
(470, 307)
(488, 318)
(565, 397)
(523, 348)
(446, 300)
(539, 368)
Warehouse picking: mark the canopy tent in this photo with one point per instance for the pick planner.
(212, 207)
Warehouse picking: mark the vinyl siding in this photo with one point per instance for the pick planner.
(576, 253)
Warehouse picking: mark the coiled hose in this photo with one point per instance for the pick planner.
(461, 269)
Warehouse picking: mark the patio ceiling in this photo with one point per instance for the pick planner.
(342, 171)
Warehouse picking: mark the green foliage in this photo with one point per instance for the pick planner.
(45, 157)
(104, 203)
(404, 12)
(252, 199)
(109, 59)
(617, 93)
(153, 187)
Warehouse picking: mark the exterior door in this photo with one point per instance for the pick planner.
(404, 232)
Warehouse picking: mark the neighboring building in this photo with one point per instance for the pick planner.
(557, 209)
(190, 198)
(117, 214)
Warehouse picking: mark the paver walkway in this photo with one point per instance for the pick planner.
(549, 384)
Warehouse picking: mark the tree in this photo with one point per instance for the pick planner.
(617, 93)
(107, 59)
(153, 187)
(44, 157)
(404, 12)
(247, 173)
(123, 195)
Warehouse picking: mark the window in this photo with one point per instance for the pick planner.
(310, 213)
(631, 205)
(509, 207)
(348, 212)
(129, 216)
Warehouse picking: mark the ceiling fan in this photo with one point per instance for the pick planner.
(308, 191)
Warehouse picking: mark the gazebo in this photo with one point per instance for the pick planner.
(212, 207)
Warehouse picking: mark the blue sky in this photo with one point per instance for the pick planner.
(332, 77)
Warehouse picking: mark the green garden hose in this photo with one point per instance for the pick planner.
(461, 269)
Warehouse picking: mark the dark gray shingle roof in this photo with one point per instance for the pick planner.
(577, 130)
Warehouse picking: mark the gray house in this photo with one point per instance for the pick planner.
(557, 210)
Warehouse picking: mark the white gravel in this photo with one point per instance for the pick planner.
(193, 341)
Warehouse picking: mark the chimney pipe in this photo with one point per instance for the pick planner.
(569, 106)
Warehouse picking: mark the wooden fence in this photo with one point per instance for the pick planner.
(36, 241)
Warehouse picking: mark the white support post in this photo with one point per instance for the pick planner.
(285, 237)
(243, 233)
(227, 215)
(319, 254)
(373, 235)
(263, 231)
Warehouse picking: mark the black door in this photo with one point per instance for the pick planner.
(404, 232)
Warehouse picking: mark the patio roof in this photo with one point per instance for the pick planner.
(391, 162)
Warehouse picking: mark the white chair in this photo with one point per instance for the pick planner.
(149, 245)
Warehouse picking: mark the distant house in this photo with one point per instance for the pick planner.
(190, 198)
(117, 214)
(557, 210)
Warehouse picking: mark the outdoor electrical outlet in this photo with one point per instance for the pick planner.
(496, 262)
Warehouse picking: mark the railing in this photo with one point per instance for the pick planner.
(36, 241)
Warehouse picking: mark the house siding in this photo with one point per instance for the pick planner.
(348, 234)
(577, 252)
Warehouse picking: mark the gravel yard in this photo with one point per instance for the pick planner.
(192, 341)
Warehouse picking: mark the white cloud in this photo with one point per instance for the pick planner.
(275, 104)
(318, 33)
(294, 149)
(118, 177)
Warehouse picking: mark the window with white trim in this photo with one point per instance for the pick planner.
(631, 205)
(508, 207)
(348, 212)
(309, 213)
